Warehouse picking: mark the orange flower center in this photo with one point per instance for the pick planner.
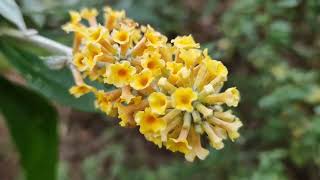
(123, 37)
(151, 64)
(82, 88)
(184, 99)
(150, 119)
(144, 81)
(122, 72)
(161, 102)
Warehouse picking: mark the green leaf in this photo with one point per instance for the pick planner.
(52, 84)
(10, 10)
(32, 122)
(4, 65)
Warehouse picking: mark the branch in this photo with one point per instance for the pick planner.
(33, 37)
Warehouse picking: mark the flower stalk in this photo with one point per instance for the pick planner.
(32, 36)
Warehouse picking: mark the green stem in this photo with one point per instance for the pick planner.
(33, 37)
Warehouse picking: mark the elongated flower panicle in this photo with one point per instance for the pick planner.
(170, 89)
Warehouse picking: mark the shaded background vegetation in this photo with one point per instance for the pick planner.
(272, 49)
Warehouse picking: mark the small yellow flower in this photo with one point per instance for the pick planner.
(181, 143)
(126, 94)
(167, 51)
(231, 97)
(231, 127)
(78, 61)
(153, 62)
(127, 112)
(221, 132)
(80, 90)
(158, 102)
(197, 149)
(190, 56)
(149, 122)
(173, 123)
(185, 42)
(215, 68)
(92, 50)
(122, 36)
(103, 102)
(215, 140)
(155, 138)
(112, 17)
(135, 35)
(154, 38)
(75, 17)
(97, 33)
(142, 80)
(126, 115)
(226, 116)
(120, 74)
(174, 67)
(165, 85)
(104, 58)
(88, 13)
(180, 146)
(138, 49)
(182, 99)
(96, 74)
(74, 23)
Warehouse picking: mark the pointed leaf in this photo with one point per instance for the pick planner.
(10, 10)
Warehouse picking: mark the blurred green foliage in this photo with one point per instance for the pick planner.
(32, 122)
(272, 49)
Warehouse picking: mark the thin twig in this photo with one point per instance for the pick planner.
(33, 37)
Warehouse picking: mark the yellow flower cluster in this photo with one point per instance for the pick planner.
(171, 90)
